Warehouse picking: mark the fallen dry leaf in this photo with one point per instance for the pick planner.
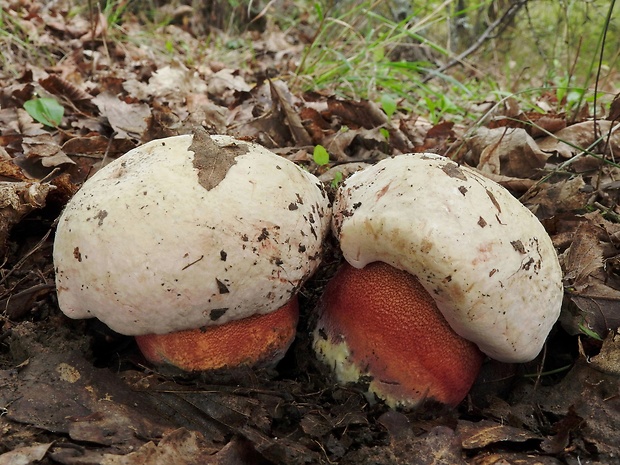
(261, 116)
(598, 310)
(338, 143)
(63, 88)
(480, 434)
(584, 258)
(614, 109)
(342, 171)
(18, 305)
(540, 125)
(63, 393)
(590, 395)
(128, 120)
(44, 149)
(608, 359)
(506, 151)
(415, 129)
(25, 455)
(562, 430)
(572, 141)
(294, 414)
(513, 184)
(356, 114)
(97, 146)
(9, 170)
(17, 199)
(312, 120)
(291, 117)
(172, 82)
(549, 199)
(585, 279)
(100, 28)
(179, 447)
(514, 458)
(226, 80)
(440, 445)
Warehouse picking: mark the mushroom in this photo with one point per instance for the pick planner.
(471, 255)
(188, 235)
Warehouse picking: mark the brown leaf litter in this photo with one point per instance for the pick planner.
(75, 393)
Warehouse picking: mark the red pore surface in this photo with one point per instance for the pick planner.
(396, 335)
(257, 340)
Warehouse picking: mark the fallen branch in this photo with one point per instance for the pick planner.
(486, 35)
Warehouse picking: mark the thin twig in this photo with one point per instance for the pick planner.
(261, 14)
(486, 35)
(21, 261)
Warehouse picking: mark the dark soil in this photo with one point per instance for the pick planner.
(73, 392)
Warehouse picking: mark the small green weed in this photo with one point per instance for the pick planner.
(388, 104)
(441, 57)
(320, 155)
(114, 10)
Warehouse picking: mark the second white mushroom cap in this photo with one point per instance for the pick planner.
(484, 257)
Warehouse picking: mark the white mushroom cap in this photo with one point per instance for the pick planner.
(186, 232)
(485, 258)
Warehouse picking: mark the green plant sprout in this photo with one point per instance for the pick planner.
(46, 111)
(320, 155)
(388, 104)
(337, 179)
(589, 332)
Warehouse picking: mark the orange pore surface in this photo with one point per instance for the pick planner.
(396, 334)
(257, 340)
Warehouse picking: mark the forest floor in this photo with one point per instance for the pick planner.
(73, 392)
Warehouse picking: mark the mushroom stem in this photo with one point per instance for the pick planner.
(259, 340)
(379, 324)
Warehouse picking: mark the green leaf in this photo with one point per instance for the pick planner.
(385, 133)
(320, 155)
(319, 11)
(388, 104)
(337, 179)
(378, 54)
(46, 111)
(589, 332)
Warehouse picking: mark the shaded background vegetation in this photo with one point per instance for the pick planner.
(434, 57)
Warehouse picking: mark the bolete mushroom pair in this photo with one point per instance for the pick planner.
(198, 245)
